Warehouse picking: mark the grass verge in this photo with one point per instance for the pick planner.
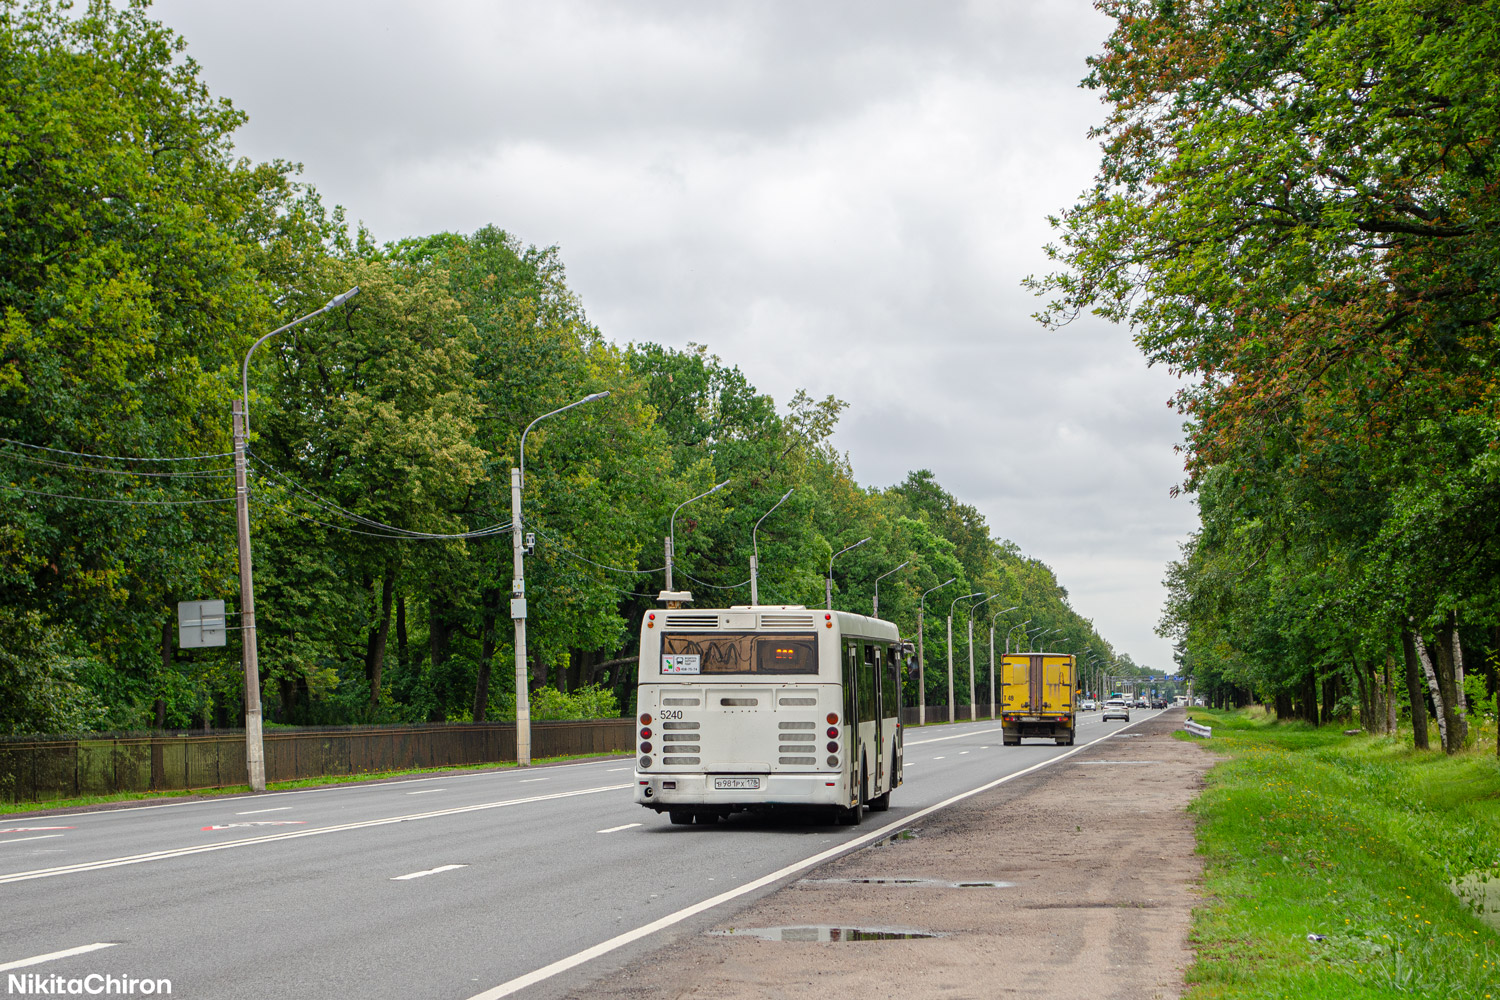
(1328, 865)
(146, 798)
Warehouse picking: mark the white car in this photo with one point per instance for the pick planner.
(1087, 705)
(1116, 708)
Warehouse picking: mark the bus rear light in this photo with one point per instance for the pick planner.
(833, 718)
(832, 762)
(651, 620)
(646, 747)
(645, 718)
(833, 747)
(645, 762)
(833, 732)
(645, 733)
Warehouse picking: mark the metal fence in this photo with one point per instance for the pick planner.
(939, 713)
(37, 769)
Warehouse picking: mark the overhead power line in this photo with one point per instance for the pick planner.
(115, 458)
(262, 468)
(220, 473)
(135, 503)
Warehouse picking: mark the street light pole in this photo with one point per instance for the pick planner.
(671, 539)
(1008, 631)
(921, 660)
(255, 754)
(950, 645)
(973, 706)
(997, 614)
(831, 558)
(875, 605)
(755, 550)
(518, 585)
(1030, 644)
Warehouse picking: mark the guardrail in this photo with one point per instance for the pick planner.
(1198, 729)
(36, 769)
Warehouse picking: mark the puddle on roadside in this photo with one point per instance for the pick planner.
(931, 882)
(821, 933)
(898, 837)
(1481, 890)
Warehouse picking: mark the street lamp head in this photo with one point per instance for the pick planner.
(341, 298)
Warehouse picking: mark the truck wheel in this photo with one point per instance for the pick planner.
(680, 817)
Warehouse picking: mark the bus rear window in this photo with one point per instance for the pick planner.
(748, 653)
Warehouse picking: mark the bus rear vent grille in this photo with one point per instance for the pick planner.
(681, 760)
(797, 760)
(692, 621)
(797, 701)
(787, 621)
(680, 701)
(796, 725)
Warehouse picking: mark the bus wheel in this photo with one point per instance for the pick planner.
(680, 817)
(880, 803)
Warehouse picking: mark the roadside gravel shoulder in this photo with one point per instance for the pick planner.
(1099, 856)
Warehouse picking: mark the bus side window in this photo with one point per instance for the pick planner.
(851, 672)
(867, 683)
(891, 689)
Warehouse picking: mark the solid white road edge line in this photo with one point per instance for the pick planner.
(53, 956)
(645, 930)
(430, 871)
(18, 840)
(88, 866)
(617, 829)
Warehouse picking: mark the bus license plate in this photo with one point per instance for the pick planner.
(736, 783)
(1030, 718)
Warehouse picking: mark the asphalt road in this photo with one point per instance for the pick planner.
(448, 887)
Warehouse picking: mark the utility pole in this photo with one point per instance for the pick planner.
(518, 615)
(518, 585)
(255, 754)
(972, 713)
(921, 661)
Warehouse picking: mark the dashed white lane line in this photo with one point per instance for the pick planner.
(955, 736)
(53, 956)
(611, 770)
(527, 781)
(426, 791)
(940, 758)
(181, 852)
(257, 812)
(962, 752)
(617, 829)
(17, 840)
(430, 871)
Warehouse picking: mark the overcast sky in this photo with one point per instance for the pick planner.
(842, 197)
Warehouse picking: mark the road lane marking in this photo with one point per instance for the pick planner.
(18, 840)
(962, 752)
(430, 871)
(257, 812)
(136, 859)
(617, 829)
(35, 829)
(940, 758)
(527, 781)
(955, 736)
(613, 769)
(425, 791)
(257, 822)
(53, 956)
(546, 972)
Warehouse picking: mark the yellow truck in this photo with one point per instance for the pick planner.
(1037, 697)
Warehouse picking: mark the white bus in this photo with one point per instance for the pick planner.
(764, 707)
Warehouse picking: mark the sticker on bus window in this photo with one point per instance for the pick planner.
(680, 663)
